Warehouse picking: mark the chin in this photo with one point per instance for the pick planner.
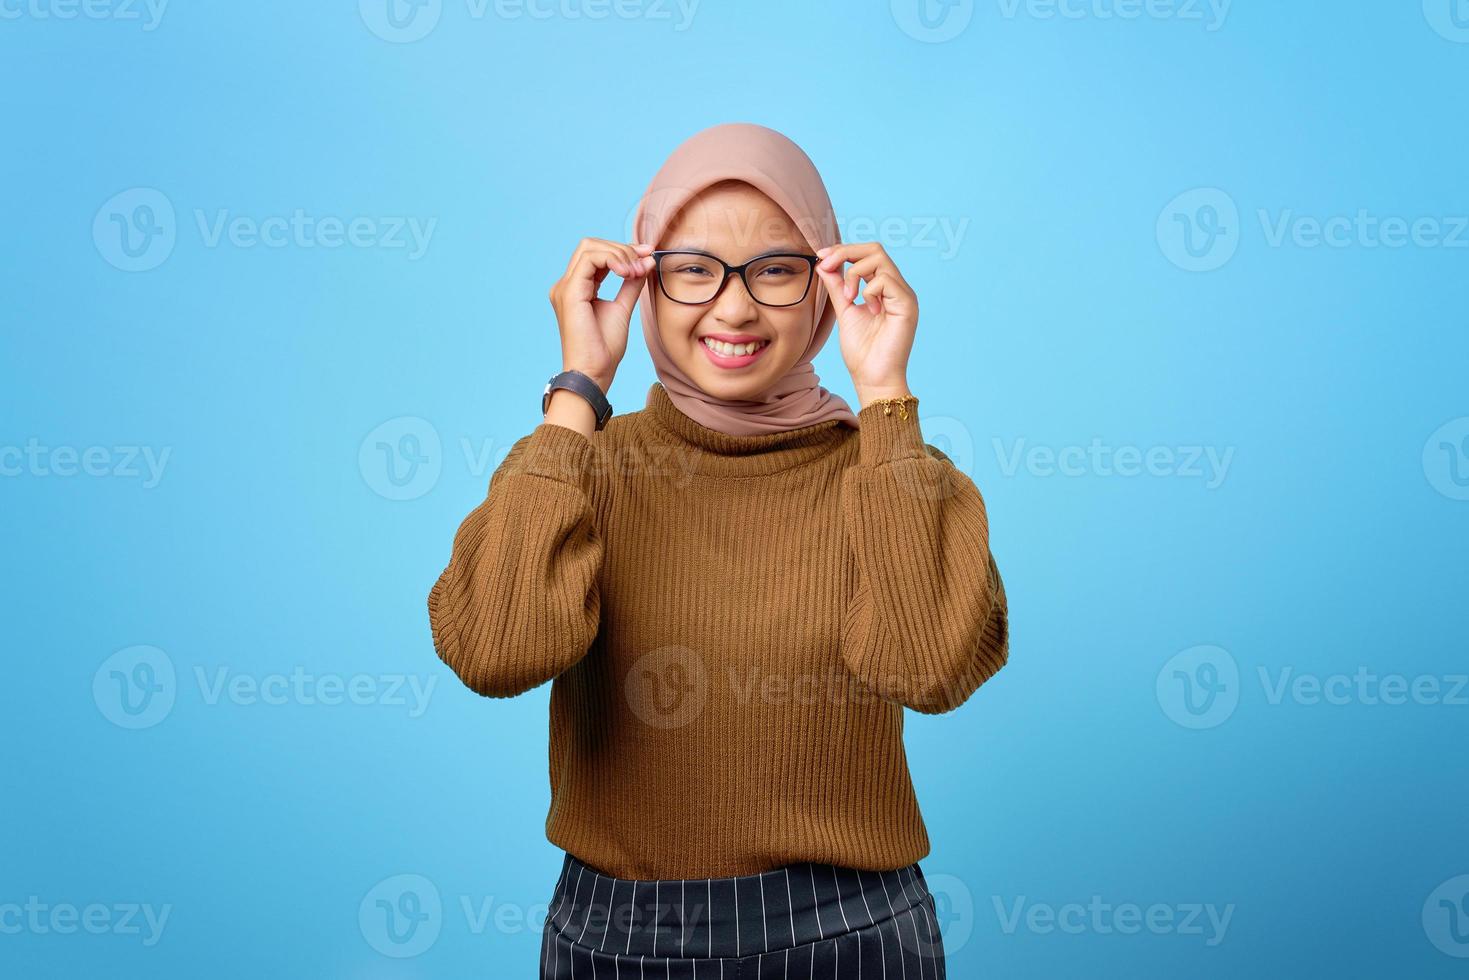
(731, 389)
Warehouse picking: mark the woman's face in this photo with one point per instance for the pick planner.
(736, 222)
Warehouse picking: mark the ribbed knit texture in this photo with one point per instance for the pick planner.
(734, 625)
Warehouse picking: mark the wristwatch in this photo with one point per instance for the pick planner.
(582, 385)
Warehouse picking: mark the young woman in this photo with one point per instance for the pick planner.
(736, 591)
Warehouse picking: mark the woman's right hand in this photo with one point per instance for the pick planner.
(594, 331)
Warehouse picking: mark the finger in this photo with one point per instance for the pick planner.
(849, 249)
(583, 263)
(833, 256)
(627, 296)
(878, 287)
(580, 281)
(892, 269)
(636, 259)
(872, 292)
(833, 283)
(886, 290)
(592, 268)
(594, 264)
(634, 262)
(585, 247)
(621, 257)
(630, 247)
(864, 269)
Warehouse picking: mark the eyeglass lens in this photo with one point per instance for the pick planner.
(774, 281)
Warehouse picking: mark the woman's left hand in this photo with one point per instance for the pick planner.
(877, 335)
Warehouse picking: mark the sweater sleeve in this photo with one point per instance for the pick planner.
(928, 623)
(519, 600)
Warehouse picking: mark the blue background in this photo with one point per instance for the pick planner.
(272, 543)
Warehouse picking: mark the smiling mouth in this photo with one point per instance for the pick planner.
(724, 349)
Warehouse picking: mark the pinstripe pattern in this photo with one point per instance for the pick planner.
(809, 921)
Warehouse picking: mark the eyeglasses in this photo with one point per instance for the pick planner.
(694, 278)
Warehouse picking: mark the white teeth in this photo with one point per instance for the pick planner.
(733, 350)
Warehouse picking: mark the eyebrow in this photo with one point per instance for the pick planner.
(780, 250)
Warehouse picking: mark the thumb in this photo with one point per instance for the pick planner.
(627, 296)
(835, 288)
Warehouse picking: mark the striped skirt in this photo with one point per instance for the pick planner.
(809, 920)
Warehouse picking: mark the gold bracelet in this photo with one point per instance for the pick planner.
(902, 403)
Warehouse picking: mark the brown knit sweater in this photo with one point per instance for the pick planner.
(734, 625)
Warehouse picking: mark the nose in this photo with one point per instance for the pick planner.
(734, 304)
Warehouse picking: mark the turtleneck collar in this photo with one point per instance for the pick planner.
(723, 454)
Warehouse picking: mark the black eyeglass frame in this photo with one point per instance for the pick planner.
(739, 270)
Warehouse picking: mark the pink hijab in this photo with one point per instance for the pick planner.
(781, 170)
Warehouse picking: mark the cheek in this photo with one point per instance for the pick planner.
(794, 325)
(675, 322)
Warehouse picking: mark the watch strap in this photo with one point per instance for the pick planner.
(584, 386)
